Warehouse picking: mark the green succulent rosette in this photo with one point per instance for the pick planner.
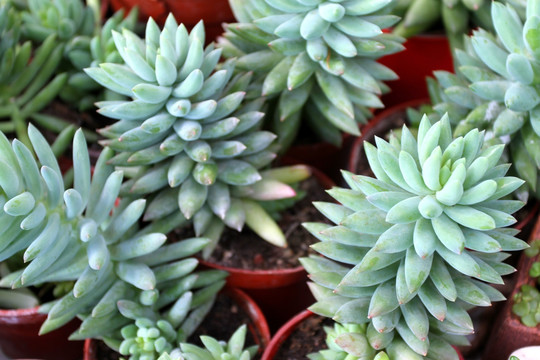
(496, 88)
(351, 342)
(314, 55)
(82, 235)
(190, 141)
(64, 18)
(214, 349)
(414, 248)
(29, 77)
(85, 42)
(458, 16)
(159, 320)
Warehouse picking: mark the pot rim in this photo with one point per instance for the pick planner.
(283, 333)
(22, 313)
(290, 275)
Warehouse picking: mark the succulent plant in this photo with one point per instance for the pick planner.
(351, 342)
(174, 355)
(527, 305)
(527, 299)
(458, 16)
(29, 79)
(412, 249)
(79, 235)
(214, 349)
(66, 18)
(85, 40)
(194, 146)
(160, 320)
(317, 55)
(496, 88)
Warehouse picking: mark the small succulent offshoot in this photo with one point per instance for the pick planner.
(314, 55)
(196, 145)
(527, 300)
(349, 341)
(214, 349)
(458, 17)
(414, 248)
(159, 321)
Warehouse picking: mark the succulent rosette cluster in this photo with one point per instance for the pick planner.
(349, 341)
(410, 250)
(457, 16)
(214, 349)
(154, 322)
(314, 55)
(496, 88)
(195, 145)
(84, 40)
(81, 235)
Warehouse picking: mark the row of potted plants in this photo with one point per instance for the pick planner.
(404, 253)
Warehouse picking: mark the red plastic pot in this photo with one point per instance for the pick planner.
(287, 329)
(19, 337)
(423, 54)
(188, 12)
(257, 326)
(509, 333)
(280, 293)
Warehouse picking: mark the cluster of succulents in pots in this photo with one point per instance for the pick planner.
(190, 134)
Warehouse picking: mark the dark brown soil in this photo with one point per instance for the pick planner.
(90, 120)
(103, 352)
(247, 250)
(225, 317)
(307, 338)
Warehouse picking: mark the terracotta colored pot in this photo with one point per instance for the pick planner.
(509, 333)
(287, 329)
(280, 293)
(188, 12)
(422, 55)
(257, 326)
(19, 337)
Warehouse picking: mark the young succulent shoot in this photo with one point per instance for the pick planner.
(198, 149)
(527, 299)
(85, 41)
(458, 16)
(174, 355)
(28, 76)
(412, 249)
(351, 342)
(214, 349)
(497, 88)
(78, 234)
(314, 55)
(159, 321)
